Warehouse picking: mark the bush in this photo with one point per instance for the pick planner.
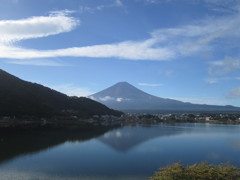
(202, 171)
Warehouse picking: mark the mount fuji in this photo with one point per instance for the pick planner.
(127, 98)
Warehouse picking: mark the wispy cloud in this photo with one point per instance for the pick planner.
(116, 3)
(168, 73)
(154, 1)
(125, 50)
(215, 80)
(149, 84)
(163, 44)
(229, 6)
(87, 9)
(15, 1)
(72, 90)
(234, 93)
(224, 66)
(203, 100)
(216, 5)
(37, 62)
(211, 80)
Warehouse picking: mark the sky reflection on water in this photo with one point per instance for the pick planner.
(126, 153)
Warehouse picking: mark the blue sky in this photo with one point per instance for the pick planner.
(183, 49)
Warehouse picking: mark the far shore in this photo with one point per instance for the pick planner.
(74, 122)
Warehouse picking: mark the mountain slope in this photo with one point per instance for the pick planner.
(19, 98)
(123, 96)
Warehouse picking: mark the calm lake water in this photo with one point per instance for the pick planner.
(124, 153)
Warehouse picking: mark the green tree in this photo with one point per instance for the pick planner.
(202, 171)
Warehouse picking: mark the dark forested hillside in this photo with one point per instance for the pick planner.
(19, 98)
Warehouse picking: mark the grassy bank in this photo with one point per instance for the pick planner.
(202, 171)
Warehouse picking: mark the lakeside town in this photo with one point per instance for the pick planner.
(184, 117)
(124, 119)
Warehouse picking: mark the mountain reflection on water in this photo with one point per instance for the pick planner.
(130, 152)
(22, 142)
(17, 142)
(128, 137)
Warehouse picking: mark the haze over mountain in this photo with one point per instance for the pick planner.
(125, 97)
(22, 98)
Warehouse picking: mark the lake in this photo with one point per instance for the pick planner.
(131, 152)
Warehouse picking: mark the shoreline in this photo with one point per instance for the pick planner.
(88, 124)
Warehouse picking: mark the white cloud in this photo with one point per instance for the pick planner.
(210, 100)
(154, 1)
(106, 98)
(125, 50)
(163, 44)
(216, 80)
(15, 1)
(215, 5)
(211, 80)
(203, 100)
(36, 27)
(72, 90)
(119, 99)
(197, 38)
(115, 3)
(86, 9)
(168, 73)
(228, 6)
(118, 3)
(109, 98)
(216, 63)
(219, 68)
(234, 93)
(36, 62)
(149, 84)
(224, 66)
